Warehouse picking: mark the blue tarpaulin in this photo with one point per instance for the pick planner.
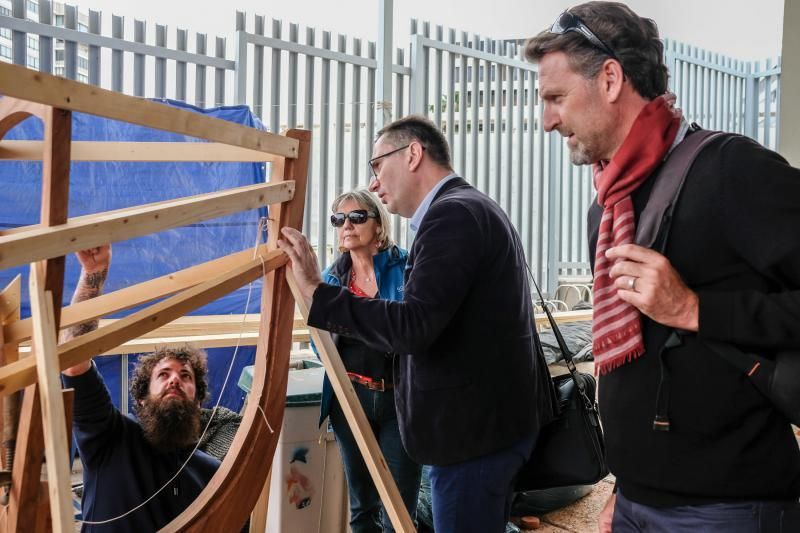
(97, 187)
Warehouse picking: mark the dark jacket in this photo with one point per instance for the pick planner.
(734, 240)
(121, 469)
(389, 266)
(469, 377)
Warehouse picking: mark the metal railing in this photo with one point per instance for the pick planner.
(479, 91)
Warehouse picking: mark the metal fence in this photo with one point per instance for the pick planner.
(478, 90)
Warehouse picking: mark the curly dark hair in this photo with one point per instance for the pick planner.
(420, 129)
(140, 384)
(633, 39)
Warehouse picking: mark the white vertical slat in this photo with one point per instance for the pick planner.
(70, 47)
(258, 71)
(463, 100)
(219, 73)
(325, 109)
(292, 81)
(274, 112)
(45, 43)
(139, 36)
(94, 51)
(308, 123)
(181, 43)
(161, 63)
(200, 72)
(357, 175)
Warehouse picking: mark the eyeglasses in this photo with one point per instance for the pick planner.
(372, 161)
(357, 216)
(567, 22)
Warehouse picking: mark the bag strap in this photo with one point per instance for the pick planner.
(669, 185)
(589, 403)
(656, 218)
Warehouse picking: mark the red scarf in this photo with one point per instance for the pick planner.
(616, 325)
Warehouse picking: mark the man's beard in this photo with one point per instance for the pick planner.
(585, 152)
(169, 424)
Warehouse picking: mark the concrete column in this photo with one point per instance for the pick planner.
(789, 146)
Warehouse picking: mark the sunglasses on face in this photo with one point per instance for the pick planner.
(357, 216)
(567, 22)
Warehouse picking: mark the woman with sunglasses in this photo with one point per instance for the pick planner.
(371, 266)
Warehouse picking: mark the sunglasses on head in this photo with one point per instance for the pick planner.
(357, 216)
(567, 22)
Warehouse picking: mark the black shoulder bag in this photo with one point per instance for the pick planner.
(570, 450)
(775, 376)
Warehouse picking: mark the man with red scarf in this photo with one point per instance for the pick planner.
(717, 457)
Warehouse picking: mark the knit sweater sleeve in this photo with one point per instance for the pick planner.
(95, 420)
(759, 201)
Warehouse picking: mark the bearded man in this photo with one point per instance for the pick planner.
(137, 475)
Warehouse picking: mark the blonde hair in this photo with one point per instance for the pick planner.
(366, 200)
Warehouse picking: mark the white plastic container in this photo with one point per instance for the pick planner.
(308, 490)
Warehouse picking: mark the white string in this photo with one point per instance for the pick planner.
(261, 225)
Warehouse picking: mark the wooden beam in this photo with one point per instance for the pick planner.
(10, 300)
(218, 340)
(34, 86)
(22, 373)
(52, 402)
(24, 497)
(229, 497)
(55, 197)
(258, 518)
(357, 420)
(140, 293)
(89, 231)
(14, 111)
(139, 151)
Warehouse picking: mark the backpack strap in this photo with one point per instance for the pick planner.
(653, 227)
(656, 218)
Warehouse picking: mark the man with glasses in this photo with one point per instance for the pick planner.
(692, 443)
(471, 382)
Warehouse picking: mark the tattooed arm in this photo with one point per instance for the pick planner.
(94, 269)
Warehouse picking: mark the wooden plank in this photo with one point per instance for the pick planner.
(189, 326)
(10, 300)
(357, 420)
(139, 151)
(88, 231)
(52, 402)
(55, 202)
(14, 111)
(228, 499)
(20, 82)
(218, 331)
(24, 496)
(213, 340)
(564, 317)
(138, 294)
(22, 373)
(55, 197)
(258, 518)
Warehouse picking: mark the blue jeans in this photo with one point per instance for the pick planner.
(366, 512)
(475, 495)
(736, 517)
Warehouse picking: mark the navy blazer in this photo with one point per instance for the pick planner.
(470, 375)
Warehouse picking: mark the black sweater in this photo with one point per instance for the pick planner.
(121, 469)
(735, 240)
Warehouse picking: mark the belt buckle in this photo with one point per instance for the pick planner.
(376, 385)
